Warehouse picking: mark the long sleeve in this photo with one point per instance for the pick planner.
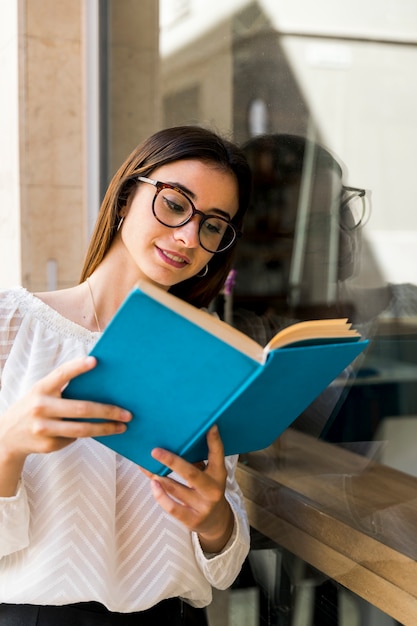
(221, 569)
(14, 512)
(14, 522)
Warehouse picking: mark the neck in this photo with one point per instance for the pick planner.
(107, 292)
(93, 305)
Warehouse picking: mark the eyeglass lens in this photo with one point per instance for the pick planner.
(357, 204)
(173, 209)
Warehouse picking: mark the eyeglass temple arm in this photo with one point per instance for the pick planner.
(143, 179)
(358, 190)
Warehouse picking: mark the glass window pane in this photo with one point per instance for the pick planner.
(322, 97)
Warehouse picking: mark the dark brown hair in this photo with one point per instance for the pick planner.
(168, 145)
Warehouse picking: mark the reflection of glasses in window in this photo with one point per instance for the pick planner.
(358, 202)
(173, 208)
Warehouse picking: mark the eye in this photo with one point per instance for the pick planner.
(214, 226)
(175, 203)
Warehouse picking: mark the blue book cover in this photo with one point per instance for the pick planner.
(179, 370)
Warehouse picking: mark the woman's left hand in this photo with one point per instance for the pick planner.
(200, 504)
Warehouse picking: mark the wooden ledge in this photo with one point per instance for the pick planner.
(349, 517)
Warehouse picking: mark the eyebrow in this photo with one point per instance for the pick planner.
(193, 197)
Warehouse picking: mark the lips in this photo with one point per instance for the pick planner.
(173, 258)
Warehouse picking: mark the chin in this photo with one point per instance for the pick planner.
(163, 283)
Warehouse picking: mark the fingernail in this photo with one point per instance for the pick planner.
(156, 485)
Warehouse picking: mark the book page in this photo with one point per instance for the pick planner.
(314, 330)
(301, 331)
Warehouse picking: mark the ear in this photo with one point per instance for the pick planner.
(123, 211)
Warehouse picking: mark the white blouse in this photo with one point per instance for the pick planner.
(84, 525)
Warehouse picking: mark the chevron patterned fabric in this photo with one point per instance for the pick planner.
(84, 525)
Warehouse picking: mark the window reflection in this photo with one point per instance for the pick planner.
(216, 66)
(322, 106)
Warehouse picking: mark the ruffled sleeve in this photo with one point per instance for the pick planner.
(34, 339)
(14, 511)
(14, 522)
(222, 569)
(9, 324)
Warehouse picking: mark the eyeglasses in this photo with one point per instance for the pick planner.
(358, 202)
(173, 208)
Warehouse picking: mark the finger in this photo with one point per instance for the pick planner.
(73, 429)
(192, 496)
(188, 471)
(174, 506)
(146, 472)
(60, 377)
(199, 491)
(188, 505)
(192, 472)
(84, 410)
(215, 448)
(201, 465)
(58, 417)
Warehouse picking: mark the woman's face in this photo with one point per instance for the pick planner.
(167, 256)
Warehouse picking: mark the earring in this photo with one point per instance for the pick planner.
(204, 273)
(119, 225)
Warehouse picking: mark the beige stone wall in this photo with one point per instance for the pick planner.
(43, 213)
(10, 263)
(52, 143)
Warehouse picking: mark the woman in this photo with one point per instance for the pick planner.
(82, 530)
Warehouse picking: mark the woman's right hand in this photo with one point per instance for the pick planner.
(40, 422)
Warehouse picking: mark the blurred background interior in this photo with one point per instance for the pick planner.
(323, 98)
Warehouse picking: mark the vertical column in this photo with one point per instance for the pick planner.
(48, 153)
(52, 145)
(10, 261)
(133, 76)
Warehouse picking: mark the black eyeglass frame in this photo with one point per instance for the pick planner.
(360, 193)
(159, 186)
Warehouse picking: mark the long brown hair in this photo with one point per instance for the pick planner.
(168, 145)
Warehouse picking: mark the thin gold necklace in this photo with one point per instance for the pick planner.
(94, 306)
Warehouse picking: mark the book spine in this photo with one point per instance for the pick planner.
(196, 438)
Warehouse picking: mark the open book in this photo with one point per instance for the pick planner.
(179, 370)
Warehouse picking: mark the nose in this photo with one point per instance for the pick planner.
(188, 233)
